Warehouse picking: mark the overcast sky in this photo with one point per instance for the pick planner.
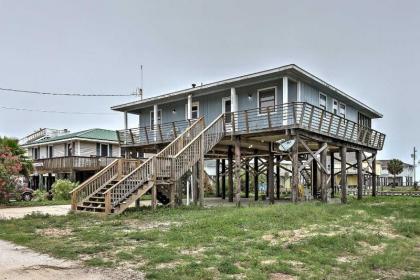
(369, 49)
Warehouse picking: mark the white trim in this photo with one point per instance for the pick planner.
(224, 99)
(150, 116)
(326, 101)
(69, 140)
(258, 98)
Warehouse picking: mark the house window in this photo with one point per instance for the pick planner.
(195, 110)
(342, 110)
(69, 149)
(50, 151)
(364, 120)
(323, 101)
(266, 99)
(35, 152)
(335, 107)
(152, 118)
(227, 108)
(104, 150)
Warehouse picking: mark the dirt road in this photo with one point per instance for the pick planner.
(21, 263)
(20, 212)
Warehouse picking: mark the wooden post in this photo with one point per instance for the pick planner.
(230, 171)
(270, 172)
(295, 169)
(246, 178)
(218, 177)
(223, 179)
(343, 183)
(266, 180)
(314, 179)
(278, 177)
(201, 170)
(359, 175)
(138, 203)
(332, 179)
(324, 188)
(374, 176)
(238, 170)
(256, 178)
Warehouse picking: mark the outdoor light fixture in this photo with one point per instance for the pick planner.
(249, 96)
(173, 111)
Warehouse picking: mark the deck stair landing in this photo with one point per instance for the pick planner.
(119, 184)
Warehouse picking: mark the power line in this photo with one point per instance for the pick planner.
(55, 112)
(63, 94)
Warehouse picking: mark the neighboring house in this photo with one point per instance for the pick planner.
(77, 156)
(243, 118)
(405, 178)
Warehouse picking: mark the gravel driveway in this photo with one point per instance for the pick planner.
(20, 212)
(20, 263)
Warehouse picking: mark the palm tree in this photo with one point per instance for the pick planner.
(18, 151)
(395, 167)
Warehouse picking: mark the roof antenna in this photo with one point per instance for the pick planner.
(140, 90)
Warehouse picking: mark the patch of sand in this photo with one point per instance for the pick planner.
(54, 232)
(281, 276)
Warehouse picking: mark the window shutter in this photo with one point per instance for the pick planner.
(110, 150)
(98, 149)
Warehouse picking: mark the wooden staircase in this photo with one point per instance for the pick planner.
(115, 188)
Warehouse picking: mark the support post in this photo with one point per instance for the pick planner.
(256, 178)
(374, 176)
(270, 172)
(332, 179)
(230, 171)
(295, 169)
(359, 175)
(189, 107)
(343, 183)
(125, 127)
(238, 170)
(247, 178)
(278, 177)
(223, 179)
(217, 177)
(324, 188)
(314, 179)
(201, 173)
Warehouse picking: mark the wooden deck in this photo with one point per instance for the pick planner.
(72, 163)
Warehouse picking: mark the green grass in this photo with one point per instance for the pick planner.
(368, 239)
(32, 203)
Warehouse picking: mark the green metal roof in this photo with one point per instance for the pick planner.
(91, 134)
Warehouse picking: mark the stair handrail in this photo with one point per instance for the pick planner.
(94, 183)
(198, 147)
(129, 183)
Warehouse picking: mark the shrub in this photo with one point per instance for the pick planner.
(40, 195)
(61, 189)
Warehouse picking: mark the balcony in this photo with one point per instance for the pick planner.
(147, 135)
(71, 163)
(302, 116)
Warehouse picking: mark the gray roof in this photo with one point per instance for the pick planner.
(292, 70)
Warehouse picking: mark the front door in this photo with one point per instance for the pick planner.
(227, 108)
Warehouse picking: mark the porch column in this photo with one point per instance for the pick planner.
(189, 107)
(255, 178)
(238, 170)
(343, 183)
(223, 179)
(247, 178)
(295, 170)
(314, 179)
(233, 100)
(359, 174)
(230, 171)
(324, 189)
(155, 117)
(278, 177)
(270, 172)
(217, 177)
(374, 176)
(332, 179)
(125, 127)
(285, 98)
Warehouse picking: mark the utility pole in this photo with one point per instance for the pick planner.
(413, 156)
